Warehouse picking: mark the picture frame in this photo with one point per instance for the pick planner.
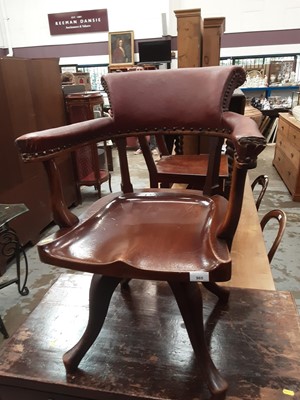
(68, 68)
(121, 48)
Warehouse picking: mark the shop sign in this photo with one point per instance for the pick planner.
(78, 22)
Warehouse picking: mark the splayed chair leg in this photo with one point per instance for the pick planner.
(221, 292)
(189, 299)
(125, 283)
(101, 291)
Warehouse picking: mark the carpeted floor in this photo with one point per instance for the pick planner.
(285, 266)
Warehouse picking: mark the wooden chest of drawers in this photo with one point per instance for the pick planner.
(287, 153)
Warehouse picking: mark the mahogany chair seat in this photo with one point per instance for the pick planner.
(143, 225)
(181, 236)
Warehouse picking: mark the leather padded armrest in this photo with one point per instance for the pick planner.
(49, 143)
(246, 137)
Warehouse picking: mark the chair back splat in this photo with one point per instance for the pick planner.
(180, 236)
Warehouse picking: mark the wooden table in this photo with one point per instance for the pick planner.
(144, 352)
(250, 264)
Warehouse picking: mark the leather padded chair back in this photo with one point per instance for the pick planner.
(159, 101)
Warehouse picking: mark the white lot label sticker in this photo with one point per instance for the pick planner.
(199, 276)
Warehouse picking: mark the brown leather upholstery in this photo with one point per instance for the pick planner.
(179, 236)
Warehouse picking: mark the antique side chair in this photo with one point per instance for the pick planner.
(189, 169)
(182, 236)
(280, 217)
(263, 182)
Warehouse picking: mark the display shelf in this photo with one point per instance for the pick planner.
(269, 89)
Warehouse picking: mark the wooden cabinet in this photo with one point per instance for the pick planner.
(213, 30)
(189, 46)
(31, 100)
(287, 153)
(84, 106)
(189, 37)
(198, 44)
(88, 171)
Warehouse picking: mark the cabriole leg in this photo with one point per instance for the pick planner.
(189, 299)
(101, 291)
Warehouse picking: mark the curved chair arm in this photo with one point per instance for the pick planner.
(248, 143)
(50, 143)
(247, 140)
(262, 180)
(281, 218)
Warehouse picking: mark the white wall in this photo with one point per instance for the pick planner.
(249, 15)
(27, 21)
(246, 16)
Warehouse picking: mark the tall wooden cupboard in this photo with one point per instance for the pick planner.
(213, 29)
(31, 99)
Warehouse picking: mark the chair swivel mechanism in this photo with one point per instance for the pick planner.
(180, 236)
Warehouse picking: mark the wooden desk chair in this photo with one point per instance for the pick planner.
(263, 181)
(182, 237)
(189, 169)
(280, 216)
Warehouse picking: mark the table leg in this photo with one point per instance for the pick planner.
(11, 247)
(3, 329)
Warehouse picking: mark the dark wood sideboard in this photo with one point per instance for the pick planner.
(31, 100)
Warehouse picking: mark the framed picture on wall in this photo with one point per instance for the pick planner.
(121, 48)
